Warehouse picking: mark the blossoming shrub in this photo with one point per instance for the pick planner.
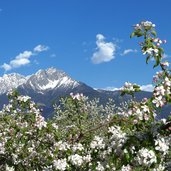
(84, 135)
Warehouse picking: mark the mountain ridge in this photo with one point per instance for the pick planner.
(11, 81)
(46, 87)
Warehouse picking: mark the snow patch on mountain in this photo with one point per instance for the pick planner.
(50, 85)
(11, 81)
(50, 79)
(63, 82)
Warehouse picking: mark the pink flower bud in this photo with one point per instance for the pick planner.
(145, 99)
(135, 121)
(169, 128)
(155, 40)
(158, 44)
(164, 41)
(154, 80)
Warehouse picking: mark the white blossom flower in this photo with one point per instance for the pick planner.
(77, 146)
(151, 51)
(118, 137)
(10, 92)
(7, 108)
(8, 168)
(163, 120)
(145, 157)
(155, 40)
(77, 96)
(146, 23)
(87, 158)
(158, 101)
(99, 167)
(143, 25)
(148, 51)
(165, 63)
(137, 27)
(138, 113)
(128, 86)
(2, 147)
(159, 168)
(55, 125)
(145, 108)
(156, 51)
(76, 159)
(167, 82)
(60, 164)
(23, 98)
(159, 90)
(126, 168)
(40, 121)
(62, 146)
(162, 145)
(97, 143)
(160, 41)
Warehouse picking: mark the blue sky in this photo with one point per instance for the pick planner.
(86, 39)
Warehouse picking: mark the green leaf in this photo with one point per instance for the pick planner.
(136, 86)
(168, 98)
(154, 33)
(161, 50)
(132, 35)
(127, 156)
(122, 93)
(157, 61)
(137, 89)
(147, 59)
(139, 34)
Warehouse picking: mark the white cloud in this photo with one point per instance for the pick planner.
(6, 67)
(25, 54)
(105, 51)
(23, 58)
(148, 87)
(126, 51)
(111, 88)
(20, 60)
(41, 48)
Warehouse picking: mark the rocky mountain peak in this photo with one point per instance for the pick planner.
(50, 78)
(11, 81)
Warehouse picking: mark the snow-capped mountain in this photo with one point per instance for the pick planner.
(11, 81)
(50, 79)
(43, 80)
